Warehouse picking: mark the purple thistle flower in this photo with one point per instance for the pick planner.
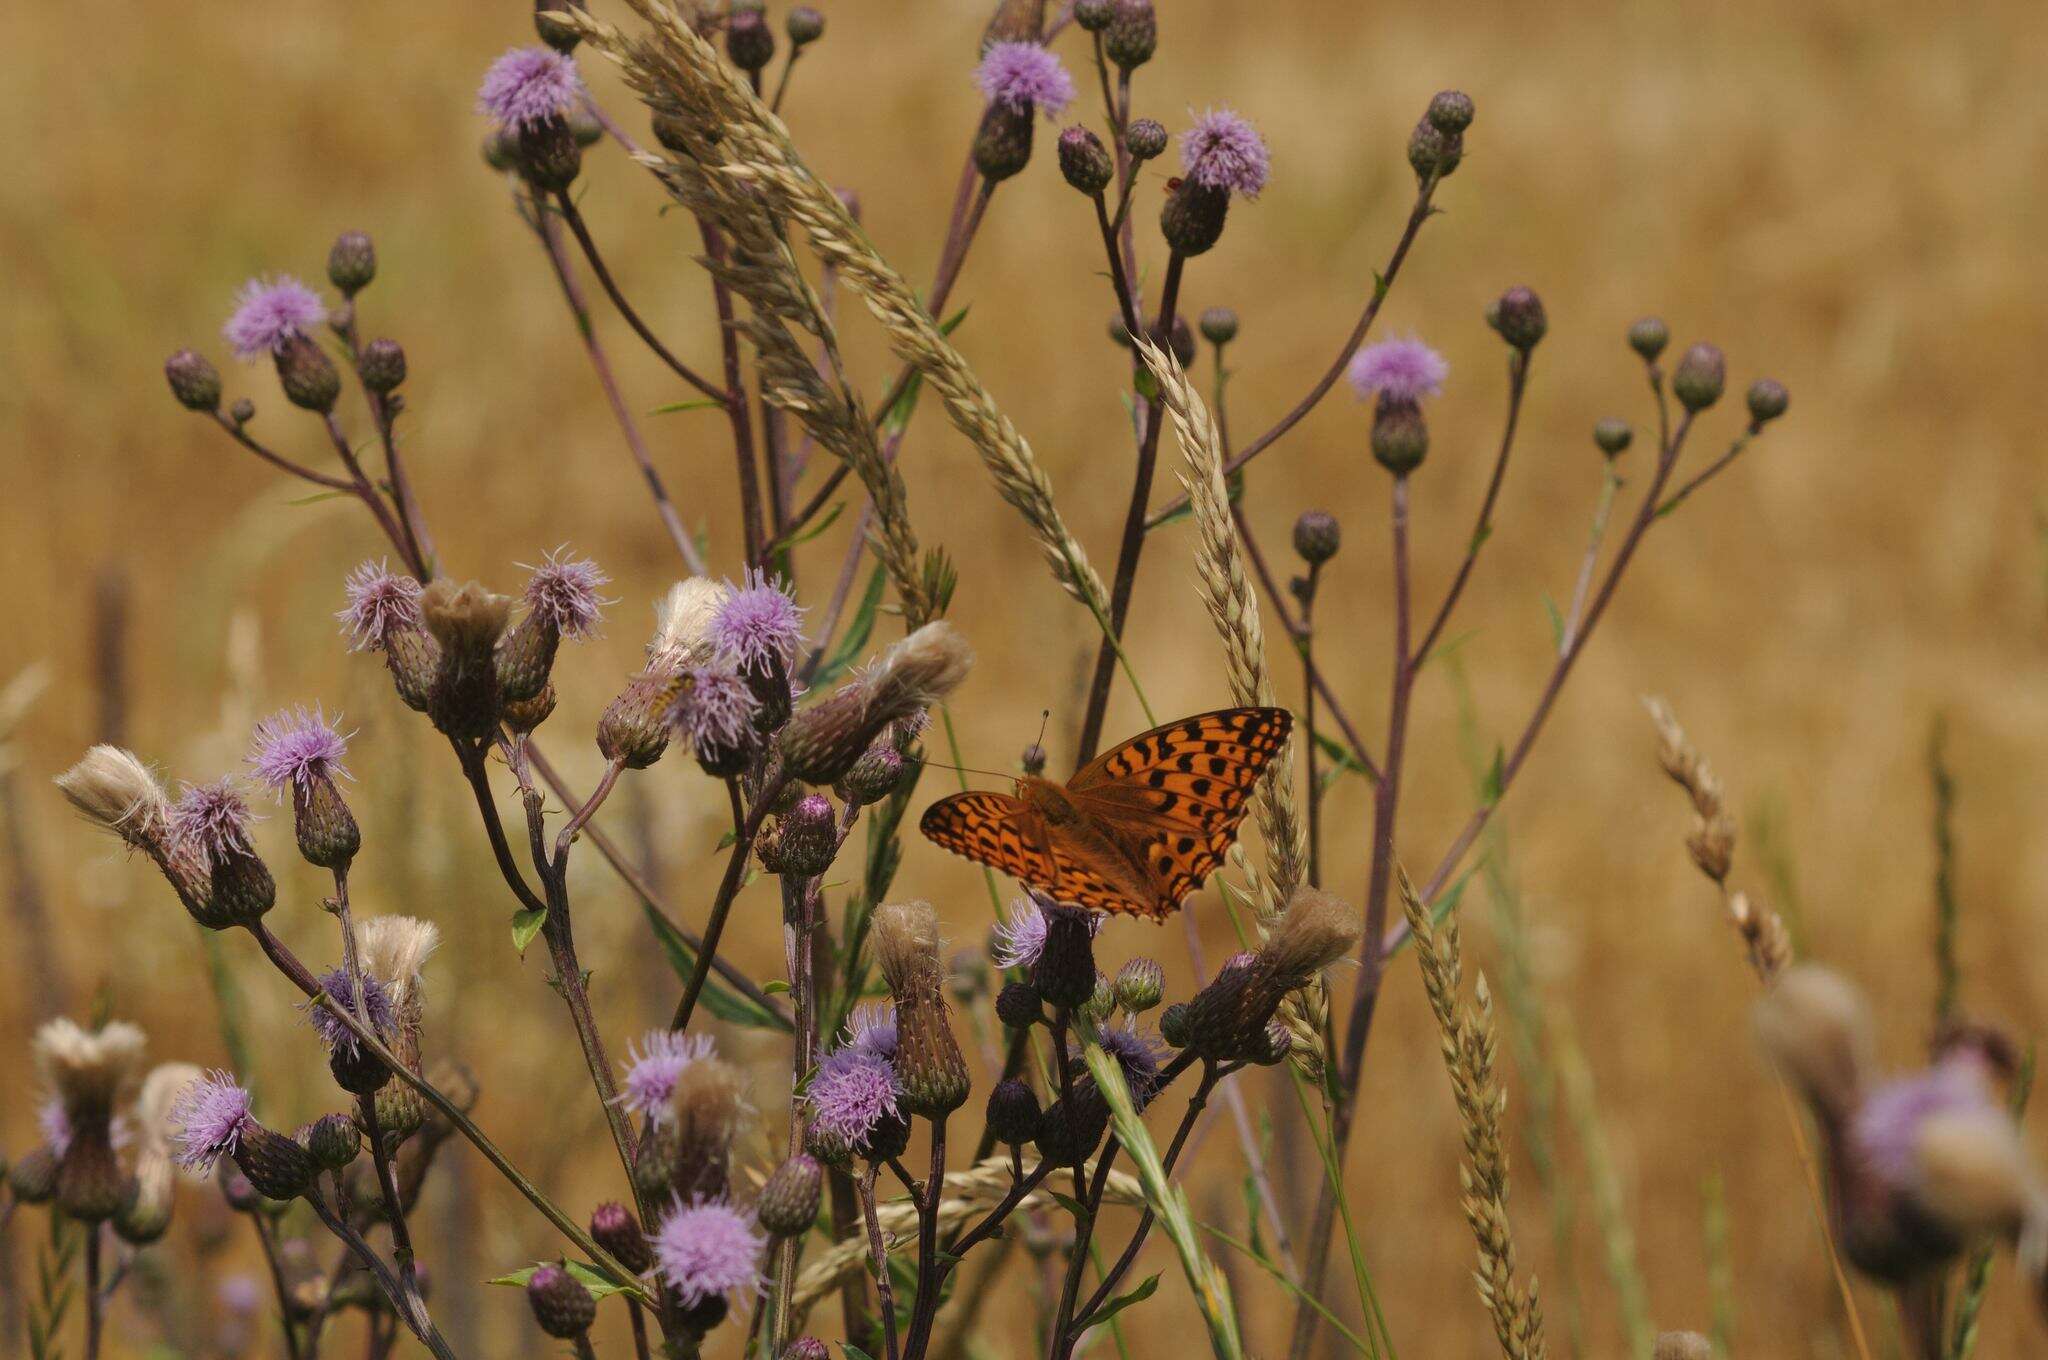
(1020, 938)
(715, 709)
(529, 85)
(212, 821)
(565, 591)
(1400, 370)
(851, 1092)
(269, 312)
(240, 1294)
(1023, 75)
(1887, 1126)
(377, 1009)
(872, 1030)
(707, 1248)
(652, 1067)
(378, 604)
(758, 624)
(211, 1114)
(1223, 151)
(1137, 1055)
(294, 747)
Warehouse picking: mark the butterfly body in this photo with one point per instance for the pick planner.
(1133, 831)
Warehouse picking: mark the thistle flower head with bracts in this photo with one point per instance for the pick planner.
(564, 591)
(714, 708)
(1398, 370)
(708, 1249)
(376, 1009)
(851, 1093)
(758, 625)
(871, 1028)
(211, 821)
(1224, 151)
(211, 1115)
(269, 312)
(529, 85)
(1138, 1055)
(114, 788)
(292, 748)
(1022, 76)
(379, 603)
(653, 1065)
(1018, 940)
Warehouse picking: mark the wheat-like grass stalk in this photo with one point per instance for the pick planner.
(737, 139)
(1469, 1044)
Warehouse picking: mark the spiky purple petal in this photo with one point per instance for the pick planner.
(1224, 151)
(564, 589)
(1401, 370)
(292, 748)
(1024, 75)
(707, 1248)
(758, 625)
(212, 821)
(211, 1114)
(378, 603)
(652, 1066)
(529, 85)
(376, 1008)
(851, 1092)
(715, 709)
(270, 311)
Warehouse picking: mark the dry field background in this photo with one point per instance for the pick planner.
(1846, 195)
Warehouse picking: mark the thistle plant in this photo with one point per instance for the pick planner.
(1074, 1083)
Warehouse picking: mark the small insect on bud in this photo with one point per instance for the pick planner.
(1613, 436)
(334, 1140)
(1518, 315)
(561, 1305)
(1018, 1005)
(1192, 220)
(1140, 984)
(613, 1227)
(804, 25)
(1699, 378)
(548, 154)
(1648, 337)
(352, 262)
(1317, 536)
(1450, 112)
(309, 378)
(788, 1205)
(748, 39)
(195, 382)
(552, 32)
(1013, 1113)
(1145, 139)
(382, 366)
(1432, 153)
(1132, 34)
(1094, 15)
(1219, 325)
(1767, 401)
(1084, 160)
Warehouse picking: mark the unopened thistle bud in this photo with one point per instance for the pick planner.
(1317, 536)
(1092, 16)
(548, 154)
(615, 1228)
(928, 1059)
(524, 715)
(1013, 1113)
(467, 621)
(634, 728)
(1064, 974)
(195, 382)
(804, 25)
(1173, 1024)
(1767, 401)
(1228, 1018)
(1018, 1005)
(822, 743)
(145, 1212)
(1699, 378)
(1613, 437)
(806, 1348)
(309, 378)
(1431, 153)
(552, 32)
(1002, 145)
(33, 1177)
(352, 262)
(1192, 220)
(1648, 337)
(562, 1306)
(242, 412)
(1072, 1126)
(1145, 139)
(1101, 1003)
(1219, 325)
(382, 366)
(788, 1205)
(748, 39)
(1400, 436)
(803, 840)
(277, 1167)
(876, 775)
(1132, 34)
(334, 1141)
(1518, 316)
(1084, 160)
(1450, 112)
(1140, 984)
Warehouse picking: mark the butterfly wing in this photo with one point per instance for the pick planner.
(995, 829)
(1177, 794)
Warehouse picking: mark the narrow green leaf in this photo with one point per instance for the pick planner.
(1145, 1290)
(824, 522)
(858, 630)
(1496, 781)
(314, 498)
(775, 987)
(526, 925)
(590, 1279)
(721, 1000)
(696, 404)
(854, 1352)
(1479, 537)
(1556, 620)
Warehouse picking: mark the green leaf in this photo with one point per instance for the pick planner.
(1479, 537)
(1496, 781)
(858, 631)
(854, 1352)
(697, 404)
(1346, 758)
(1145, 1290)
(590, 1279)
(1146, 384)
(824, 522)
(728, 839)
(718, 998)
(775, 987)
(1070, 1204)
(314, 498)
(526, 925)
(1556, 620)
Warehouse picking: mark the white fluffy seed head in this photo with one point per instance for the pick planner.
(682, 621)
(114, 788)
(90, 1069)
(394, 949)
(1815, 1026)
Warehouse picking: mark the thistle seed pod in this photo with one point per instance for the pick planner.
(1065, 972)
(561, 1304)
(824, 741)
(277, 1167)
(334, 1140)
(928, 1059)
(613, 1227)
(466, 621)
(1013, 1113)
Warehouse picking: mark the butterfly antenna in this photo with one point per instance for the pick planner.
(1044, 717)
(959, 769)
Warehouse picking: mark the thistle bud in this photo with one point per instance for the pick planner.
(748, 39)
(334, 1140)
(804, 25)
(1432, 154)
(1002, 146)
(210, 859)
(806, 1348)
(1219, 325)
(33, 1177)
(548, 154)
(562, 1306)
(413, 658)
(90, 1185)
(1400, 436)
(613, 1227)
(928, 1059)
(634, 728)
(804, 839)
(1700, 376)
(1018, 1005)
(1140, 984)
(1450, 112)
(876, 775)
(1648, 337)
(820, 744)
(145, 1214)
(1228, 1018)
(524, 715)
(706, 1109)
(1084, 160)
(352, 262)
(309, 378)
(1094, 15)
(1071, 1128)
(1145, 139)
(1613, 436)
(467, 621)
(1767, 401)
(1173, 1024)
(1013, 1113)
(1178, 337)
(553, 33)
(1317, 536)
(242, 412)
(1519, 317)
(1192, 220)
(1101, 1003)
(1132, 34)
(1033, 760)
(382, 367)
(788, 1205)
(277, 1167)
(1065, 972)
(194, 380)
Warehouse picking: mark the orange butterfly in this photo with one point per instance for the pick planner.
(1136, 829)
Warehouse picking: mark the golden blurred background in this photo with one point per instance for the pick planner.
(1845, 195)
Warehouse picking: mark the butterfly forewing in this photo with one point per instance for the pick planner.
(993, 829)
